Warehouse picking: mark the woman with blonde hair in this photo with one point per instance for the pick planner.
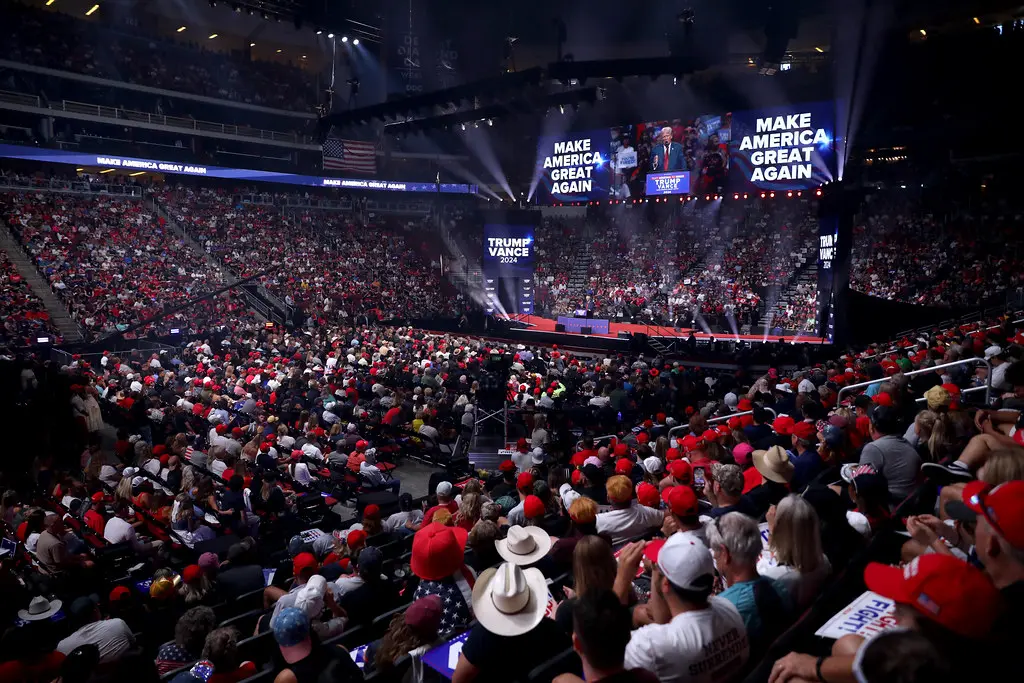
(661, 448)
(794, 556)
(593, 570)
(123, 491)
(469, 511)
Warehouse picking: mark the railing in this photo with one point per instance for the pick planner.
(155, 119)
(970, 390)
(968, 361)
(712, 420)
(72, 186)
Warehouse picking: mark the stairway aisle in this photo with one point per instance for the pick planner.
(62, 320)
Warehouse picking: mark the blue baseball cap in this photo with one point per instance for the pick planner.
(291, 631)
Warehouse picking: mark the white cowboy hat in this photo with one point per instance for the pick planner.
(524, 545)
(39, 608)
(510, 601)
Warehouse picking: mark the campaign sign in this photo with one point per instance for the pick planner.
(445, 657)
(573, 167)
(867, 615)
(785, 148)
(677, 182)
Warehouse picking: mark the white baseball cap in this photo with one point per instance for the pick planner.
(444, 488)
(684, 560)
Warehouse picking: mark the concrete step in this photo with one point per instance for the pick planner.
(59, 315)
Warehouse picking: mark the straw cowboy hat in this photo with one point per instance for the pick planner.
(39, 608)
(510, 601)
(524, 545)
(774, 464)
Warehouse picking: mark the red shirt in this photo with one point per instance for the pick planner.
(244, 671)
(450, 506)
(95, 521)
(391, 415)
(42, 670)
(577, 458)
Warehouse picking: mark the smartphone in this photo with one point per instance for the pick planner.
(698, 476)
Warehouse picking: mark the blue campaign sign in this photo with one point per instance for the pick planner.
(444, 658)
(677, 182)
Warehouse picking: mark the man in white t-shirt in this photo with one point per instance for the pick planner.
(119, 530)
(695, 638)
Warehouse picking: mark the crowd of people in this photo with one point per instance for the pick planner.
(60, 41)
(903, 251)
(25, 316)
(307, 253)
(114, 263)
(731, 501)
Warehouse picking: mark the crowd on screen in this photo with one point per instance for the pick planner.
(60, 41)
(732, 501)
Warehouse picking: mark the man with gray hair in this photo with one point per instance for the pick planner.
(724, 489)
(665, 154)
(764, 604)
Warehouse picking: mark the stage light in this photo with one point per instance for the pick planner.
(109, 170)
(818, 192)
(355, 41)
(211, 36)
(50, 2)
(744, 195)
(344, 39)
(736, 196)
(707, 197)
(303, 57)
(924, 33)
(252, 44)
(818, 49)
(278, 50)
(490, 122)
(790, 194)
(680, 200)
(561, 109)
(319, 31)
(180, 29)
(330, 35)
(463, 126)
(137, 173)
(92, 9)
(800, 193)
(771, 195)
(763, 195)
(976, 19)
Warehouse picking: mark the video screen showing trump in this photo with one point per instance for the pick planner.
(677, 156)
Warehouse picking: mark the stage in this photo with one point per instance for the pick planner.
(536, 323)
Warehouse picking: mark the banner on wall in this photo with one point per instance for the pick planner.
(58, 156)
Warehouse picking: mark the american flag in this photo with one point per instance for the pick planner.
(350, 155)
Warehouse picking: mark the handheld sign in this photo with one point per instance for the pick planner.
(444, 658)
(867, 615)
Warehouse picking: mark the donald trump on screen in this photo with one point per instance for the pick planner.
(665, 154)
